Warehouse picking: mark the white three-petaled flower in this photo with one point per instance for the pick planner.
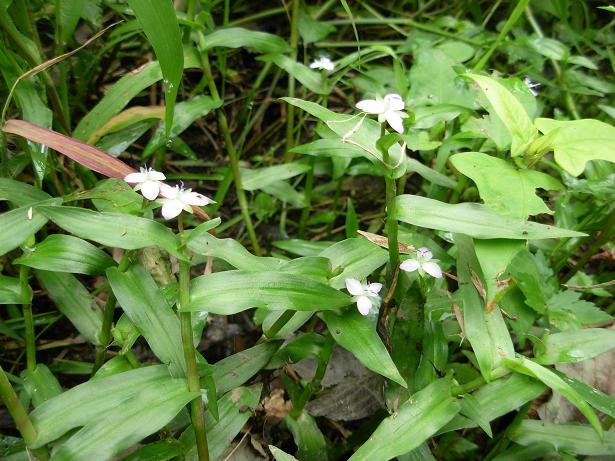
(423, 263)
(148, 182)
(323, 63)
(177, 199)
(365, 294)
(531, 85)
(388, 109)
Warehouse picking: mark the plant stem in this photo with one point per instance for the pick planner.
(26, 303)
(290, 111)
(391, 223)
(105, 331)
(279, 324)
(232, 153)
(197, 411)
(19, 415)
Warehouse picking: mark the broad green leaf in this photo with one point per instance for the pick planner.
(471, 408)
(231, 251)
(504, 188)
(113, 229)
(17, 225)
(125, 424)
(415, 421)
(157, 451)
(280, 455)
(567, 311)
(310, 441)
(162, 31)
(19, 193)
(113, 366)
(298, 319)
(235, 408)
(312, 30)
(577, 142)
(536, 284)
(70, 13)
(312, 80)
(10, 290)
(234, 291)
(286, 193)
(429, 174)
(236, 369)
(510, 111)
(472, 219)
(549, 47)
(357, 334)
(358, 131)
(357, 258)
(258, 179)
(134, 116)
(238, 37)
(302, 247)
(74, 301)
(40, 384)
(329, 148)
(494, 255)
(147, 308)
(421, 453)
(523, 365)
(123, 91)
(113, 195)
(573, 438)
(573, 346)
(65, 253)
(486, 331)
(86, 402)
(596, 398)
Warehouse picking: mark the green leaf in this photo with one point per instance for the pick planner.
(415, 421)
(65, 253)
(472, 219)
(577, 142)
(87, 402)
(329, 148)
(157, 451)
(70, 13)
(567, 311)
(504, 188)
(312, 80)
(19, 193)
(17, 225)
(596, 398)
(310, 441)
(357, 258)
(147, 308)
(302, 247)
(472, 409)
(357, 334)
(536, 284)
(238, 37)
(286, 193)
(280, 455)
(510, 111)
(494, 255)
(429, 174)
(312, 30)
(258, 179)
(74, 301)
(573, 346)
(162, 30)
(573, 438)
(523, 365)
(234, 291)
(40, 384)
(113, 229)
(10, 290)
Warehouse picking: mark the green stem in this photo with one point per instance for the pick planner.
(26, 303)
(19, 415)
(290, 114)
(279, 324)
(309, 188)
(232, 153)
(105, 332)
(391, 223)
(197, 411)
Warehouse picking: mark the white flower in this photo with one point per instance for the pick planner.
(531, 85)
(365, 295)
(323, 63)
(148, 181)
(423, 263)
(177, 199)
(388, 109)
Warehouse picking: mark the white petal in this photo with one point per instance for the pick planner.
(315, 65)
(371, 106)
(157, 175)
(172, 208)
(394, 101)
(424, 254)
(135, 177)
(409, 265)
(150, 189)
(354, 287)
(432, 269)
(364, 304)
(374, 287)
(395, 121)
(168, 191)
(328, 65)
(194, 198)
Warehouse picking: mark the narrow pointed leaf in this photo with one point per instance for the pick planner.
(16, 226)
(574, 345)
(238, 37)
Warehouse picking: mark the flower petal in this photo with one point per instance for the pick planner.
(157, 175)
(327, 64)
(171, 208)
(194, 198)
(150, 189)
(432, 269)
(135, 178)
(424, 254)
(409, 265)
(169, 192)
(394, 101)
(371, 106)
(374, 288)
(395, 121)
(354, 287)
(364, 304)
